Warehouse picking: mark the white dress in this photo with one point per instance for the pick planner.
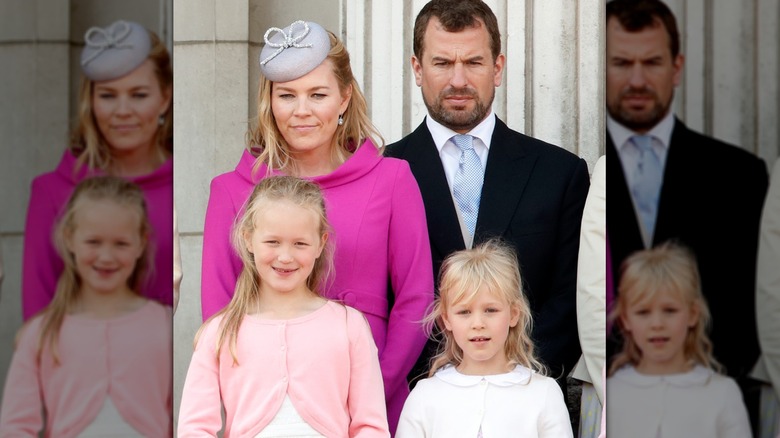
(516, 404)
(109, 424)
(288, 423)
(698, 403)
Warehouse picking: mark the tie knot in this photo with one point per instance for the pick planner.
(463, 141)
(643, 142)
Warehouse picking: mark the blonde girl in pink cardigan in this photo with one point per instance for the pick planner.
(96, 361)
(280, 358)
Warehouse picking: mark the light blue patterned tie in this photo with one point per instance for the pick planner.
(467, 186)
(648, 177)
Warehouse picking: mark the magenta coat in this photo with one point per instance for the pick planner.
(376, 210)
(50, 192)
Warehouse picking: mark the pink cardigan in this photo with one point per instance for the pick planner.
(49, 194)
(375, 207)
(128, 358)
(326, 361)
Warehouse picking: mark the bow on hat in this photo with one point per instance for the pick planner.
(294, 51)
(101, 39)
(290, 39)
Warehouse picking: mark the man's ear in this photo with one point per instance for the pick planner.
(417, 69)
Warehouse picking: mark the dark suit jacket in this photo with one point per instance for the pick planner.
(532, 197)
(708, 185)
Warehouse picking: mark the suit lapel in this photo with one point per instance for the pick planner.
(508, 169)
(621, 207)
(677, 164)
(423, 157)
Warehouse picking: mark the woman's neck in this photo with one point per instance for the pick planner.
(305, 168)
(138, 162)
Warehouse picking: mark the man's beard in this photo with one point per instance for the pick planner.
(458, 120)
(643, 121)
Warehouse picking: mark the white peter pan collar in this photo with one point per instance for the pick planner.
(698, 376)
(518, 376)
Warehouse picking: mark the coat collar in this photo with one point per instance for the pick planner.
(698, 376)
(518, 376)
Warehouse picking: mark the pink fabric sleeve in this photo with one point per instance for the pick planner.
(411, 273)
(200, 413)
(366, 401)
(220, 265)
(20, 415)
(41, 265)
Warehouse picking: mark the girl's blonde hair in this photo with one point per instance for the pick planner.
(300, 192)
(669, 267)
(98, 189)
(273, 148)
(492, 264)
(88, 144)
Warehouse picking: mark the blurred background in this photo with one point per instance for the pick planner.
(40, 46)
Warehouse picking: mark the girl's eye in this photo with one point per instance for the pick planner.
(463, 312)
(671, 310)
(491, 310)
(301, 244)
(271, 242)
(105, 96)
(642, 312)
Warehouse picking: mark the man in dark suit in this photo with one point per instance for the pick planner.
(529, 193)
(703, 184)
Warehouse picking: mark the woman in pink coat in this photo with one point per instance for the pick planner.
(125, 129)
(312, 123)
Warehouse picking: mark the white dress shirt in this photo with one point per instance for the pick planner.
(450, 153)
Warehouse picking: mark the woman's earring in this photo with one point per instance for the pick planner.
(341, 120)
(161, 120)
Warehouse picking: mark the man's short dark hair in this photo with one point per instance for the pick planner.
(456, 15)
(636, 15)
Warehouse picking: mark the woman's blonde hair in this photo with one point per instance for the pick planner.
(88, 144)
(97, 189)
(273, 148)
(670, 267)
(304, 194)
(492, 264)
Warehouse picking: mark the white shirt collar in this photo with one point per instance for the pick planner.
(441, 133)
(661, 131)
(518, 376)
(698, 376)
